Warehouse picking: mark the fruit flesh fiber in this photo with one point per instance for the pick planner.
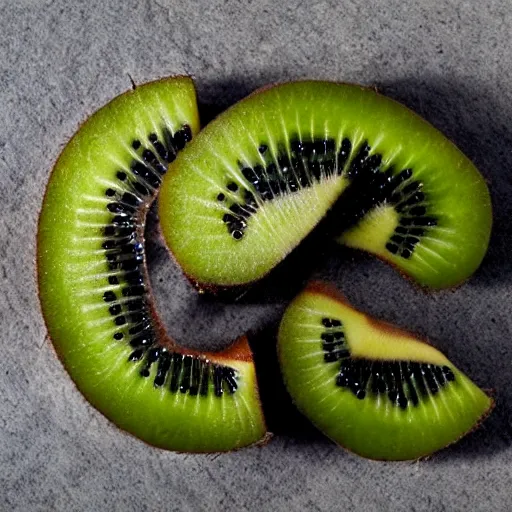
(191, 216)
(373, 427)
(73, 271)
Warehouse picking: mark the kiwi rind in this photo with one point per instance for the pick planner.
(71, 269)
(456, 220)
(371, 425)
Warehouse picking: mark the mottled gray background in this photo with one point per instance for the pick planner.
(60, 60)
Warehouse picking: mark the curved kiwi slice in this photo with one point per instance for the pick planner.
(371, 387)
(94, 287)
(264, 173)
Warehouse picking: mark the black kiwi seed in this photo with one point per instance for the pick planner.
(406, 253)
(164, 364)
(140, 188)
(412, 240)
(205, 379)
(450, 377)
(439, 374)
(163, 153)
(297, 146)
(151, 356)
(115, 309)
(418, 210)
(136, 355)
(196, 377)
(138, 317)
(142, 326)
(392, 248)
(177, 361)
(343, 154)
(136, 305)
(133, 290)
(187, 372)
(412, 187)
(130, 199)
(187, 132)
(151, 159)
(120, 320)
(237, 209)
(108, 244)
(217, 380)
(331, 357)
(109, 296)
(430, 379)
(181, 137)
(145, 340)
(230, 379)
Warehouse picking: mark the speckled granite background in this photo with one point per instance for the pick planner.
(61, 60)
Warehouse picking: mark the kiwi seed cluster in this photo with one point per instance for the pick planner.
(124, 252)
(308, 162)
(403, 382)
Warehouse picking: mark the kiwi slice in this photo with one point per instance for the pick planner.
(94, 288)
(371, 387)
(262, 175)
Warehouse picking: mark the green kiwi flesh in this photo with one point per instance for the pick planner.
(374, 389)
(262, 175)
(94, 288)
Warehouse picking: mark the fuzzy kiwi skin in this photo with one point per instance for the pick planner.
(447, 255)
(100, 368)
(372, 427)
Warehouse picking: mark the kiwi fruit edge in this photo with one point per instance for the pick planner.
(95, 293)
(373, 388)
(264, 173)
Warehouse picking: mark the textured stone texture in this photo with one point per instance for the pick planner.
(450, 61)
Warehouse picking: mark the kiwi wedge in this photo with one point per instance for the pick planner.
(263, 174)
(373, 388)
(95, 293)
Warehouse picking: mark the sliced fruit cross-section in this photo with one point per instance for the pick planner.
(262, 175)
(95, 292)
(374, 389)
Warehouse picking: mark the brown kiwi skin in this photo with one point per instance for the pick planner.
(324, 288)
(239, 350)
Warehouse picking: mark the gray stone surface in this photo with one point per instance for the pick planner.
(60, 60)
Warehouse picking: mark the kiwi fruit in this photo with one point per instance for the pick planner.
(373, 388)
(94, 288)
(268, 170)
